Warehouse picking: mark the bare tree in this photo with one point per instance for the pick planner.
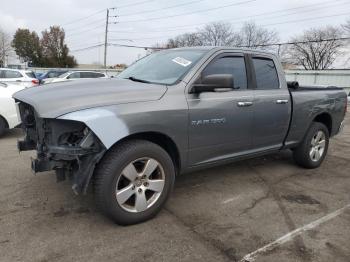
(218, 34)
(187, 39)
(314, 53)
(222, 34)
(347, 26)
(253, 36)
(5, 47)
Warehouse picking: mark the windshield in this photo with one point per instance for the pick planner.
(165, 67)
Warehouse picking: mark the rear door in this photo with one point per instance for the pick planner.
(219, 126)
(272, 105)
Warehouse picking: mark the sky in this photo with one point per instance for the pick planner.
(146, 22)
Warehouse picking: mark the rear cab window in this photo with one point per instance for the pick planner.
(265, 73)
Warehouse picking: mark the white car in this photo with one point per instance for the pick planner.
(25, 78)
(8, 111)
(75, 75)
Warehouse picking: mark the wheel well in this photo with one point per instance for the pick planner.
(6, 124)
(325, 119)
(163, 141)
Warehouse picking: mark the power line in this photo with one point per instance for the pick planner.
(113, 44)
(307, 19)
(137, 46)
(161, 9)
(83, 18)
(188, 13)
(136, 3)
(298, 42)
(286, 22)
(295, 21)
(240, 46)
(87, 48)
(246, 17)
(306, 11)
(85, 25)
(85, 31)
(266, 13)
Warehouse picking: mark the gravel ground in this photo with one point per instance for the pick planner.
(221, 214)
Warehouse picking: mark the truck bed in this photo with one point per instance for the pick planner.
(308, 102)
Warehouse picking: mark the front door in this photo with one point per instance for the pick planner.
(220, 123)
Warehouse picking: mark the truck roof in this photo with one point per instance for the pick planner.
(228, 48)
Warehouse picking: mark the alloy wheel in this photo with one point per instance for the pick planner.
(140, 185)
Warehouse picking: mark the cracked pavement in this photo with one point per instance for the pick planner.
(219, 214)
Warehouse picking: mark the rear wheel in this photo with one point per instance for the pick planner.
(133, 181)
(3, 126)
(313, 149)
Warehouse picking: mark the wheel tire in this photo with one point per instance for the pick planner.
(303, 153)
(109, 171)
(3, 126)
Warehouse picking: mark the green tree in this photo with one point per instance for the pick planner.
(27, 46)
(55, 51)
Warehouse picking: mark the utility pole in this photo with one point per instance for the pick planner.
(106, 40)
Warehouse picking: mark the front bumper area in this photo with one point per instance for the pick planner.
(67, 147)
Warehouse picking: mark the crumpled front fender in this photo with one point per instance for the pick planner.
(105, 124)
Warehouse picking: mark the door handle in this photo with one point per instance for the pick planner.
(18, 80)
(282, 101)
(244, 104)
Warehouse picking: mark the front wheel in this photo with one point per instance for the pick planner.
(133, 181)
(313, 149)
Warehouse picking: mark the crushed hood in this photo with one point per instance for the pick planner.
(54, 100)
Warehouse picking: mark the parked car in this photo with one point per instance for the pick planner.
(8, 112)
(37, 75)
(51, 74)
(173, 112)
(74, 75)
(25, 78)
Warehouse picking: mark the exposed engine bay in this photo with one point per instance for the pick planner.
(68, 147)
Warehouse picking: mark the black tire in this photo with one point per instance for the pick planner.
(109, 172)
(302, 153)
(3, 126)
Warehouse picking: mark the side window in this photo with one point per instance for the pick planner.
(74, 75)
(266, 74)
(12, 74)
(89, 75)
(85, 75)
(99, 75)
(234, 66)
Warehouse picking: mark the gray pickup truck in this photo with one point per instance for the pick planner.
(170, 113)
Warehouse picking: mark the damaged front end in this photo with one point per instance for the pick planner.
(68, 147)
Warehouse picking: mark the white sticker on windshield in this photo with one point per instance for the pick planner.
(182, 61)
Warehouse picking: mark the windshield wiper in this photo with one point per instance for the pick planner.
(138, 80)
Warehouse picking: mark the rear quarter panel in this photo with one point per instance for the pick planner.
(308, 104)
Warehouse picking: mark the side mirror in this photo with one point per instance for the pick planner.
(214, 83)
